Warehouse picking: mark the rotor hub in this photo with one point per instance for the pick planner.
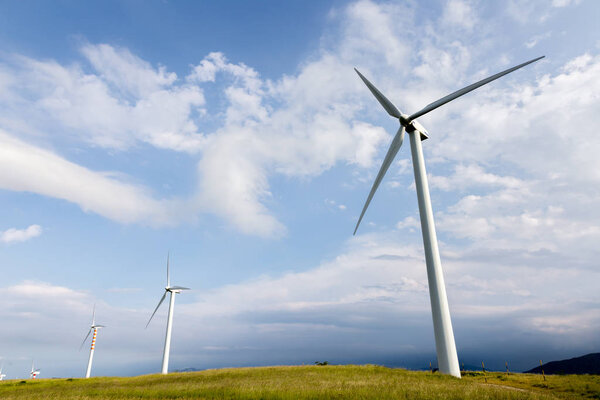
(412, 126)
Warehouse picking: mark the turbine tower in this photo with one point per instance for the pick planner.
(34, 372)
(173, 290)
(93, 328)
(442, 325)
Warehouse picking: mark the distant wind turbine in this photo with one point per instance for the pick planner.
(93, 328)
(442, 324)
(2, 376)
(173, 290)
(34, 372)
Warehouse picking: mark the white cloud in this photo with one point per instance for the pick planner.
(373, 30)
(459, 13)
(14, 235)
(409, 222)
(298, 138)
(238, 158)
(552, 203)
(372, 295)
(124, 102)
(303, 124)
(474, 175)
(527, 11)
(128, 73)
(27, 168)
(334, 204)
(564, 3)
(376, 271)
(536, 39)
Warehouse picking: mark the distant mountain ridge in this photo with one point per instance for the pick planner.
(588, 364)
(188, 370)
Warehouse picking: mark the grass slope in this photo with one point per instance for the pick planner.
(309, 382)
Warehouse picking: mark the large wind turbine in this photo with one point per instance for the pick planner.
(34, 372)
(93, 328)
(442, 325)
(173, 290)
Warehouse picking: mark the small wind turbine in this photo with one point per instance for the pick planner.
(93, 328)
(442, 325)
(173, 290)
(34, 372)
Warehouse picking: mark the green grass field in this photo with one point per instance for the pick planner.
(309, 382)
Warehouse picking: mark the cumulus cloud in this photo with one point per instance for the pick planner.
(524, 11)
(551, 204)
(298, 125)
(564, 3)
(471, 176)
(14, 235)
(459, 13)
(255, 140)
(536, 39)
(121, 102)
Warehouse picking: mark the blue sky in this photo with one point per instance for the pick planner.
(237, 136)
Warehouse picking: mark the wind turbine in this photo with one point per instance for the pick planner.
(34, 372)
(2, 376)
(173, 290)
(442, 324)
(93, 328)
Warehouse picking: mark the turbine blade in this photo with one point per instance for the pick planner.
(82, 343)
(179, 288)
(159, 303)
(387, 161)
(388, 105)
(465, 90)
(94, 315)
(168, 279)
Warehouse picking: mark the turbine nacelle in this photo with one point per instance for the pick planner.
(93, 326)
(416, 126)
(176, 289)
(411, 125)
(168, 289)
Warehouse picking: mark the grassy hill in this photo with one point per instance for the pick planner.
(309, 382)
(588, 364)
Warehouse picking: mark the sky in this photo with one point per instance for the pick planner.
(236, 137)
